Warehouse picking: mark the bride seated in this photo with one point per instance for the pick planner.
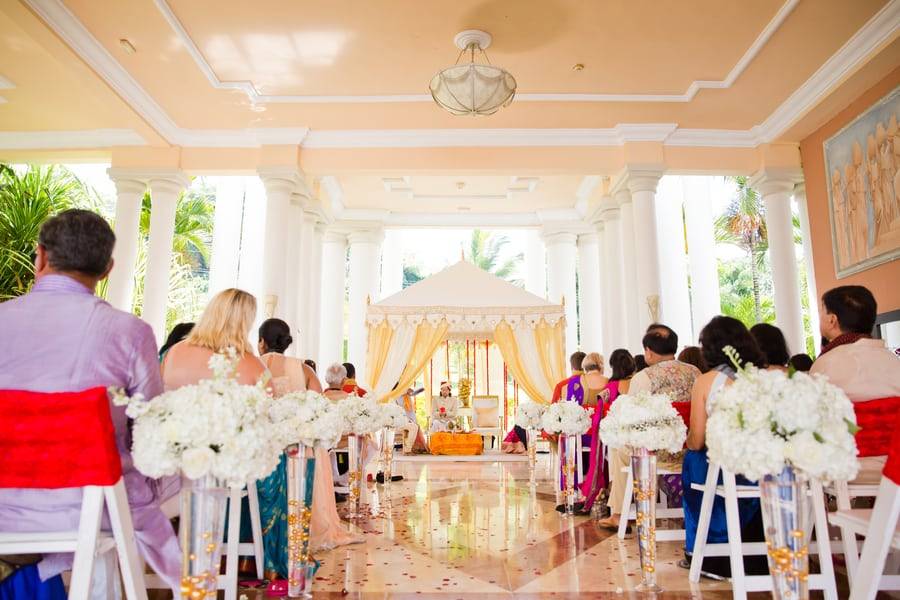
(444, 411)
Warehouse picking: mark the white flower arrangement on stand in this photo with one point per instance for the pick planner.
(529, 415)
(566, 418)
(784, 429)
(645, 423)
(308, 418)
(393, 417)
(362, 417)
(217, 433)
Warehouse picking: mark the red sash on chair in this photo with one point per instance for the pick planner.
(892, 466)
(57, 440)
(877, 420)
(684, 410)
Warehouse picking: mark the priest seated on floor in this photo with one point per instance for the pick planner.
(444, 410)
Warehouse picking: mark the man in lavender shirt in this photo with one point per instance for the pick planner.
(61, 337)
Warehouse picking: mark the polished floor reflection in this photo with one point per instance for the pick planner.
(476, 530)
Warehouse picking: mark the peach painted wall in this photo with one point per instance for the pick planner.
(883, 280)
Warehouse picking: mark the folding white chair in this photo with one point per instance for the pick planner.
(736, 549)
(879, 526)
(662, 509)
(93, 465)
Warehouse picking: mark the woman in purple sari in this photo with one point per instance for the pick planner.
(622, 364)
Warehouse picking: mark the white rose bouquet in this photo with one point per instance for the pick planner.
(643, 421)
(566, 418)
(529, 415)
(215, 427)
(361, 415)
(392, 415)
(767, 420)
(306, 417)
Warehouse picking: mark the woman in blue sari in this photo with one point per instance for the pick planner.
(719, 332)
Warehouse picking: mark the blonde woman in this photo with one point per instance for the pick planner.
(225, 323)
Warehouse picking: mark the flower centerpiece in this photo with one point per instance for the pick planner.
(646, 423)
(528, 417)
(302, 420)
(217, 434)
(393, 418)
(362, 417)
(569, 420)
(784, 428)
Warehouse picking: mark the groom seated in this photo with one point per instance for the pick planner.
(443, 414)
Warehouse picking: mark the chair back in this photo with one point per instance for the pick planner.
(486, 410)
(57, 440)
(877, 420)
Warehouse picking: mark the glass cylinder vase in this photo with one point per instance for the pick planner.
(567, 464)
(531, 436)
(785, 503)
(301, 470)
(355, 445)
(202, 529)
(387, 453)
(643, 470)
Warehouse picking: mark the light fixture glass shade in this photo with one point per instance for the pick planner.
(473, 89)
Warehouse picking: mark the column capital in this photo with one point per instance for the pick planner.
(588, 238)
(556, 236)
(800, 190)
(638, 179)
(366, 236)
(609, 209)
(127, 185)
(330, 236)
(172, 183)
(279, 179)
(776, 180)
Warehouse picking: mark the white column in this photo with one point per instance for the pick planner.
(590, 313)
(306, 288)
(561, 262)
(775, 191)
(251, 241)
(391, 265)
(365, 259)
(295, 273)
(226, 248)
(334, 284)
(129, 194)
(535, 264)
(606, 343)
(315, 309)
(675, 299)
(698, 217)
(642, 185)
(812, 294)
(614, 326)
(279, 184)
(631, 329)
(164, 194)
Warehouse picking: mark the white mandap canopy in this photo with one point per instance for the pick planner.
(407, 328)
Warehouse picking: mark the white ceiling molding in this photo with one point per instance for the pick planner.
(256, 97)
(75, 139)
(877, 32)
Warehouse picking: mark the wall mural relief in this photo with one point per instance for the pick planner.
(862, 162)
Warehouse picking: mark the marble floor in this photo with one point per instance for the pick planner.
(476, 530)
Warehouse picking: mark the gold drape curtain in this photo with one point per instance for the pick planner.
(505, 338)
(380, 337)
(551, 350)
(428, 338)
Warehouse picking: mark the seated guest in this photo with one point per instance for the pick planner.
(640, 363)
(692, 355)
(413, 439)
(335, 376)
(326, 530)
(861, 366)
(515, 442)
(178, 333)
(772, 344)
(444, 410)
(719, 332)
(575, 363)
(801, 362)
(311, 364)
(350, 386)
(225, 324)
(337, 389)
(622, 364)
(60, 337)
(664, 375)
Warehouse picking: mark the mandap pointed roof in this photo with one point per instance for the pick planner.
(469, 298)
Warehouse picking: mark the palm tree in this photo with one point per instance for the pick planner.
(484, 252)
(27, 199)
(194, 220)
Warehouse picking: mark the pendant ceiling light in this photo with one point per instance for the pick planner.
(473, 88)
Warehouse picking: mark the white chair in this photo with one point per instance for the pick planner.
(736, 549)
(94, 446)
(662, 509)
(486, 419)
(879, 526)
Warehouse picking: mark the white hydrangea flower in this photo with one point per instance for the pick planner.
(392, 415)
(643, 421)
(305, 417)
(361, 415)
(566, 418)
(529, 415)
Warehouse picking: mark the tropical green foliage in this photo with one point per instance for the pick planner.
(736, 290)
(485, 249)
(27, 199)
(412, 274)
